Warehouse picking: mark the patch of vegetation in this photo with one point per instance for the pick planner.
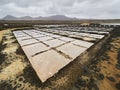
(5, 85)
(2, 57)
(111, 79)
(4, 38)
(19, 51)
(118, 57)
(2, 47)
(118, 86)
(116, 32)
(90, 84)
(105, 57)
(31, 76)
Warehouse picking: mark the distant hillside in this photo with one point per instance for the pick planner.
(9, 17)
(54, 17)
(25, 18)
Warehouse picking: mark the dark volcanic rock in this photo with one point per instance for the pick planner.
(20, 79)
(95, 61)
(100, 76)
(91, 84)
(30, 76)
(93, 67)
(5, 86)
(118, 66)
(109, 62)
(81, 82)
(95, 87)
(19, 85)
(2, 57)
(118, 75)
(111, 79)
(97, 69)
(118, 86)
(86, 71)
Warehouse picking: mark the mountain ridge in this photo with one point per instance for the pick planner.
(53, 17)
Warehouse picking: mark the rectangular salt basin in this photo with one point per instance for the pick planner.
(54, 42)
(38, 35)
(66, 39)
(20, 35)
(44, 38)
(33, 49)
(23, 38)
(17, 32)
(97, 36)
(44, 59)
(82, 43)
(71, 50)
(31, 34)
(48, 63)
(56, 36)
(28, 41)
(28, 30)
(49, 34)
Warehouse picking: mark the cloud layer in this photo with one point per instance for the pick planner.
(72, 8)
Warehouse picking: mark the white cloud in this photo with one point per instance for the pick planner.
(72, 8)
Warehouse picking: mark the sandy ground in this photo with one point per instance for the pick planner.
(14, 66)
(108, 67)
(102, 73)
(8, 73)
(4, 32)
(16, 73)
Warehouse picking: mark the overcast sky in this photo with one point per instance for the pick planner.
(72, 8)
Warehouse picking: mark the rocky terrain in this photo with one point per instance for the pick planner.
(103, 73)
(16, 73)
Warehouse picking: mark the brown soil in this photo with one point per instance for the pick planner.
(110, 69)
